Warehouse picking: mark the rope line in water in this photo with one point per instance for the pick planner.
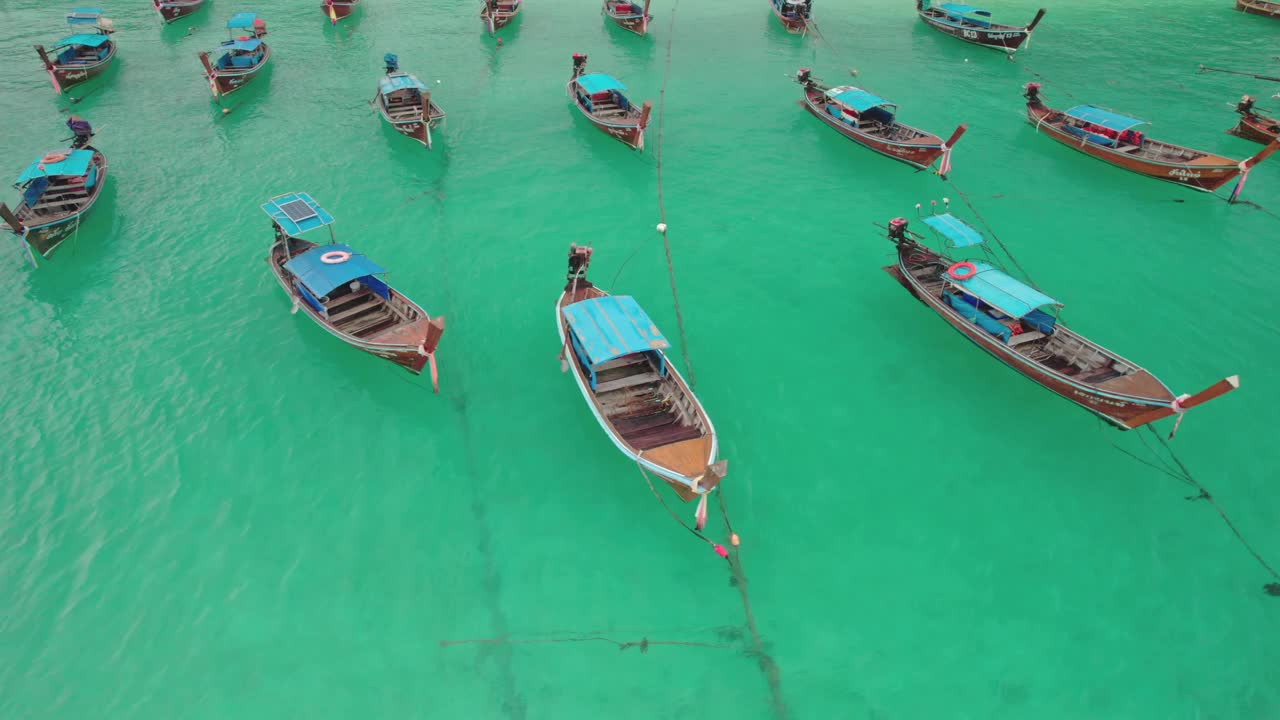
(643, 643)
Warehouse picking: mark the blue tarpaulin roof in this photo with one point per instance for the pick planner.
(956, 9)
(246, 45)
(951, 228)
(76, 164)
(857, 98)
(399, 81)
(612, 326)
(599, 82)
(1105, 118)
(321, 277)
(242, 20)
(1006, 294)
(84, 16)
(296, 213)
(86, 40)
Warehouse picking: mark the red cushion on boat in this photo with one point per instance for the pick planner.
(77, 180)
(596, 97)
(620, 8)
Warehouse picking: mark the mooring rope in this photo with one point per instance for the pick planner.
(1183, 474)
(965, 199)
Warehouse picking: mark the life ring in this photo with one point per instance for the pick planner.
(954, 270)
(335, 257)
(53, 157)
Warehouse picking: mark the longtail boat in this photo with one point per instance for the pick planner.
(629, 14)
(405, 103)
(616, 355)
(600, 98)
(973, 24)
(1255, 127)
(58, 189)
(497, 14)
(345, 292)
(171, 10)
(85, 55)
(793, 14)
(338, 9)
(1109, 136)
(1007, 318)
(1259, 7)
(872, 122)
(242, 57)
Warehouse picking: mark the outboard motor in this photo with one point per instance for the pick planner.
(803, 76)
(392, 62)
(898, 231)
(1245, 106)
(259, 28)
(82, 130)
(1031, 91)
(579, 63)
(579, 259)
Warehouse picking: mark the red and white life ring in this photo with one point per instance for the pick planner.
(955, 270)
(335, 257)
(54, 157)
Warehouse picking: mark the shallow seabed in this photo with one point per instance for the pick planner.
(212, 509)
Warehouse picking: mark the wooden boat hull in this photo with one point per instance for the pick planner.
(45, 234)
(1117, 409)
(171, 10)
(69, 75)
(225, 82)
(500, 19)
(340, 9)
(1207, 173)
(678, 464)
(635, 24)
(1005, 38)
(629, 131)
(791, 25)
(1259, 7)
(919, 153)
(412, 356)
(415, 129)
(1258, 128)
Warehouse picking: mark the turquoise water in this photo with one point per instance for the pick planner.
(211, 508)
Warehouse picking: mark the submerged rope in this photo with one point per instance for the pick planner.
(1183, 474)
(643, 643)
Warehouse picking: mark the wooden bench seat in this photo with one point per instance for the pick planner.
(1025, 337)
(626, 382)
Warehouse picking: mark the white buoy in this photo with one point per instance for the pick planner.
(662, 227)
(966, 59)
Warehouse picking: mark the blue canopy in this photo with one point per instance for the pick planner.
(321, 277)
(75, 164)
(242, 20)
(951, 228)
(86, 40)
(857, 98)
(1105, 118)
(958, 9)
(599, 82)
(612, 326)
(1006, 294)
(84, 16)
(400, 81)
(245, 45)
(296, 213)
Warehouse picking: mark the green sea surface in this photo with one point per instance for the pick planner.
(211, 508)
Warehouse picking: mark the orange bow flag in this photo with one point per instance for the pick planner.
(333, 16)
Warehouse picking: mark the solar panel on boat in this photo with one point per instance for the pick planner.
(298, 210)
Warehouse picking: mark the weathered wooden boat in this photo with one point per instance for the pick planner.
(1008, 319)
(1255, 127)
(872, 122)
(629, 14)
(338, 9)
(171, 10)
(973, 24)
(1112, 137)
(497, 14)
(58, 190)
(793, 14)
(1259, 7)
(615, 353)
(84, 55)
(242, 57)
(405, 103)
(600, 98)
(345, 292)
